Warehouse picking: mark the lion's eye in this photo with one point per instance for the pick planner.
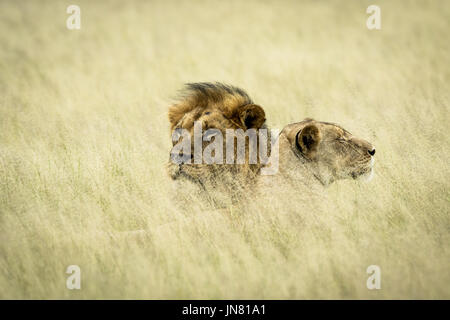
(210, 133)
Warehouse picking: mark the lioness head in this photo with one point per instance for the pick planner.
(327, 150)
(215, 107)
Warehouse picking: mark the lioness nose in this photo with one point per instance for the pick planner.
(371, 152)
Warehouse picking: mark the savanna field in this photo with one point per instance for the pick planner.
(84, 142)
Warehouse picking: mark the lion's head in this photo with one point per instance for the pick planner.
(326, 150)
(218, 107)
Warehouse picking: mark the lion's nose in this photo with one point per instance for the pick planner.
(371, 152)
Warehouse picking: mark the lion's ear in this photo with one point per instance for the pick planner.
(251, 116)
(308, 139)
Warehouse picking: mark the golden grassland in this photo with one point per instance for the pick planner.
(84, 139)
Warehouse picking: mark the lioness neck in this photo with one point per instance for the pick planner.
(292, 169)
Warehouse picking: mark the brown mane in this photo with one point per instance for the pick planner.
(228, 99)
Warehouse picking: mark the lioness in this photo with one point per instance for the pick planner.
(316, 151)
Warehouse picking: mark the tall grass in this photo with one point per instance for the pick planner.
(84, 139)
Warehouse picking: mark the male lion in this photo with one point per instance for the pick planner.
(221, 107)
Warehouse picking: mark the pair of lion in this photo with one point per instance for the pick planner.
(311, 151)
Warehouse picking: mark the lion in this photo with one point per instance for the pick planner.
(317, 152)
(310, 152)
(215, 106)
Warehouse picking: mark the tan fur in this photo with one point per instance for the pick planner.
(322, 152)
(231, 107)
(220, 107)
(310, 152)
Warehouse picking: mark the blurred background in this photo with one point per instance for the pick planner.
(85, 138)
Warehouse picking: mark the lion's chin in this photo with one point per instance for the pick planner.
(367, 175)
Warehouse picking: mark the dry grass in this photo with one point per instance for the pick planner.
(84, 139)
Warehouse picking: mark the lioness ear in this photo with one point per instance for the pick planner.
(307, 140)
(251, 116)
